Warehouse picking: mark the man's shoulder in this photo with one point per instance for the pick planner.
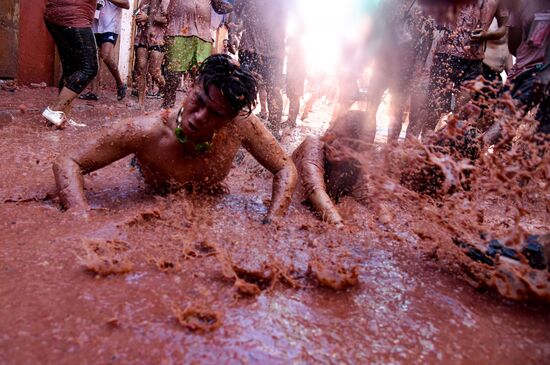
(246, 124)
(243, 121)
(144, 125)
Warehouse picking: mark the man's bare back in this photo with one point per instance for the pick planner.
(202, 158)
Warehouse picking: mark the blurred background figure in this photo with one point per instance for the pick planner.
(70, 25)
(295, 74)
(106, 30)
(349, 74)
(444, 10)
(316, 86)
(459, 56)
(219, 27)
(401, 42)
(529, 78)
(188, 39)
(151, 21)
(497, 58)
(262, 50)
(234, 32)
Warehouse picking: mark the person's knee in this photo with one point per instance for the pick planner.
(154, 69)
(274, 92)
(157, 76)
(104, 55)
(140, 69)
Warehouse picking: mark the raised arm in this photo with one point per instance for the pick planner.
(309, 159)
(121, 140)
(125, 4)
(161, 17)
(143, 15)
(221, 6)
(267, 151)
(502, 31)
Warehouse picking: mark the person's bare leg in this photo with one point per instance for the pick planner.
(293, 110)
(95, 82)
(275, 106)
(68, 110)
(64, 100)
(155, 63)
(398, 106)
(262, 93)
(308, 107)
(141, 69)
(377, 87)
(106, 54)
(418, 111)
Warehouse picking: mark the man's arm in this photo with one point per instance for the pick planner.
(310, 161)
(162, 18)
(515, 32)
(266, 150)
(121, 140)
(515, 36)
(143, 15)
(485, 35)
(124, 4)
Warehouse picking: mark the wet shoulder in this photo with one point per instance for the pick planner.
(249, 126)
(154, 125)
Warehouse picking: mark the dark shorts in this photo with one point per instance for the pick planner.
(78, 54)
(157, 48)
(150, 48)
(268, 70)
(491, 75)
(521, 89)
(108, 37)
(493, 82)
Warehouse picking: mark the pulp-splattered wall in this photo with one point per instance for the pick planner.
(36, 56)
(27, 52)
(9, 24)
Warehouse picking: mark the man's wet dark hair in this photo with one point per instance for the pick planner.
(236, 84)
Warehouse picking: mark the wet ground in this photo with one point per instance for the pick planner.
(121, 287)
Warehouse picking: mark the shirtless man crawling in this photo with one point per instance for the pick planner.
(192, 147)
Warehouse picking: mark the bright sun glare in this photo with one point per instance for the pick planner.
(328, 25)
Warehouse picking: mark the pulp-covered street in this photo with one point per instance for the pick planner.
(109, 289)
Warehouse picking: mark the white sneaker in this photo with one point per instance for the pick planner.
(54, 117)
(74, 123)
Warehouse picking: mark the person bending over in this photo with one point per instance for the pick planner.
(326, 171)
(330, 167)
(190, 148)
